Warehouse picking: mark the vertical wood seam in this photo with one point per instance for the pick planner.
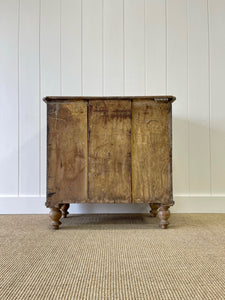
(210, 102)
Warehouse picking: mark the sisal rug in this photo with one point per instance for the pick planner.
(112, 257)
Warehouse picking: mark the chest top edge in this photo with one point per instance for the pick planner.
(68, 99)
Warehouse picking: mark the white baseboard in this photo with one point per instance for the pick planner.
(10, 204)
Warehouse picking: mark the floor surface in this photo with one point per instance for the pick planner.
(112, 257)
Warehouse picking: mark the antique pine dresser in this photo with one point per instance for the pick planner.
(109, 150)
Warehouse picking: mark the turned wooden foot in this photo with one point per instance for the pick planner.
(55, 214)
(154, 209)
(164, 215)
(64, 208)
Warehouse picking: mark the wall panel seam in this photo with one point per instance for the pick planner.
(166, 49)
(103, 52)
(124, 75)
(81, 48)
(186, 64)
(187, 90)
(18, 179)
(210, 104)
(145, 50)
(39, 57)
(60, 45)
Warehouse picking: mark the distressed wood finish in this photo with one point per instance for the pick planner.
(55, 215)
(109, 177)
(151, 152)
(67, 153)
(154, 209)
(64, 208)
(164, 214)
(69, 99)
(109, 150)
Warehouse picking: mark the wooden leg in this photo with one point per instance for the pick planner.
(164, 215)
(64, 208)
(154, 209)
(55, 214)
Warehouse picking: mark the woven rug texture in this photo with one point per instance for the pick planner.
(124, 257)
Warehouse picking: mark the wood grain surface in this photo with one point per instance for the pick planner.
(151, 152)
(109, 151)
(67, 153)
(67, 99)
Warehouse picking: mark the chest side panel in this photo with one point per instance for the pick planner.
(67, 152)
(109, 177)
(151, 152)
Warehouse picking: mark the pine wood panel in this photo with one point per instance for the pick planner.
(151, 152)
(109, 151)
(67, 153)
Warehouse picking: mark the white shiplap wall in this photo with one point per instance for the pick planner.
(113, 47)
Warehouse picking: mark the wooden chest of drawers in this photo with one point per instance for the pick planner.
(109, 150)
